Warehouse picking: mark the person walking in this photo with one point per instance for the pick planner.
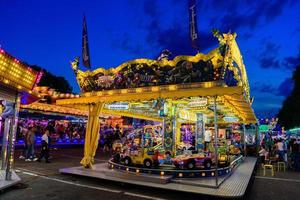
(45, 147)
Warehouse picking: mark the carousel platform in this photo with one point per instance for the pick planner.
(5, 184)
(233, 186)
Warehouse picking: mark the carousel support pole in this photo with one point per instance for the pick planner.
(12, 138)
(244, 138)
(256, 139)
(174, 124)
(196, 133)
(4, 143)
(216, 139)
(163, 130)
(199, 131)
(174, 134)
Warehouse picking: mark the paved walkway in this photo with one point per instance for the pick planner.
(42, 181)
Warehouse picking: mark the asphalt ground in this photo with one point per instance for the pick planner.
(41, 181)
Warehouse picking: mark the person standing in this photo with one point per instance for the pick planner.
(207, 138)
(269, 142)
(117, 133)
(280, 149)
(24, 132)
(30, 139)
(45, 147)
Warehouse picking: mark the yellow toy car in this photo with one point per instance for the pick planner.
(142, 156)
(233, 150)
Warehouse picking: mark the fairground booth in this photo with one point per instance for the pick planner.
(16, 80)
(199, 106)
(68, 123)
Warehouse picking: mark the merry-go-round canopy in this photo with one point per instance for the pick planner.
(190, 83)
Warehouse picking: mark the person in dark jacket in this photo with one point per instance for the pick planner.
(45, 147)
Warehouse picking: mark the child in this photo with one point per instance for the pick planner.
(167, 159)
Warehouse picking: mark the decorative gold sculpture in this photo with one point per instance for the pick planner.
(182, 69)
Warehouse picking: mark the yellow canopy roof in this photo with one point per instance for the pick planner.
(54, 108)
(232, 97)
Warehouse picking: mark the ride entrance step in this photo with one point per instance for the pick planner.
(139, 176)
(102, 171)
(204, 182)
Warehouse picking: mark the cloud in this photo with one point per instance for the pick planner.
(264, 88)
(269, 62)
(126, 42)
(272, 9)
(264, 103)
(269, 55)
(285, 88)
(291, 62)
(176, 40)
(151, 8)
(233, 21)
(270, 47)
(174, 37)
(250, 14)
(173, 34)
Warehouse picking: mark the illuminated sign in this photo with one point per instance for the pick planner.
(186, 115)
(15, 73)
(139, 106)
(118, 106)
(198, 102)
(230, 119)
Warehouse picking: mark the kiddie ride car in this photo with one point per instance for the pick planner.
(223, 157)
(142, 156)
(234, 150)
(146, 156)
(191, 161)
(226, 154)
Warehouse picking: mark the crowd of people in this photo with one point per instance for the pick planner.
(48, 131)
(59, 129)
(283, 149)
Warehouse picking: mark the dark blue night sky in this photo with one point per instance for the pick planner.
(48, 33)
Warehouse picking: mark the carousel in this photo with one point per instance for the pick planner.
(199, 106)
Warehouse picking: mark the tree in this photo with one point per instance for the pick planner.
(289, 114)
(59, 83)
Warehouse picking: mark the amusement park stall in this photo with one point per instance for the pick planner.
(201, 104)
(16, 79)
(67, 122)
